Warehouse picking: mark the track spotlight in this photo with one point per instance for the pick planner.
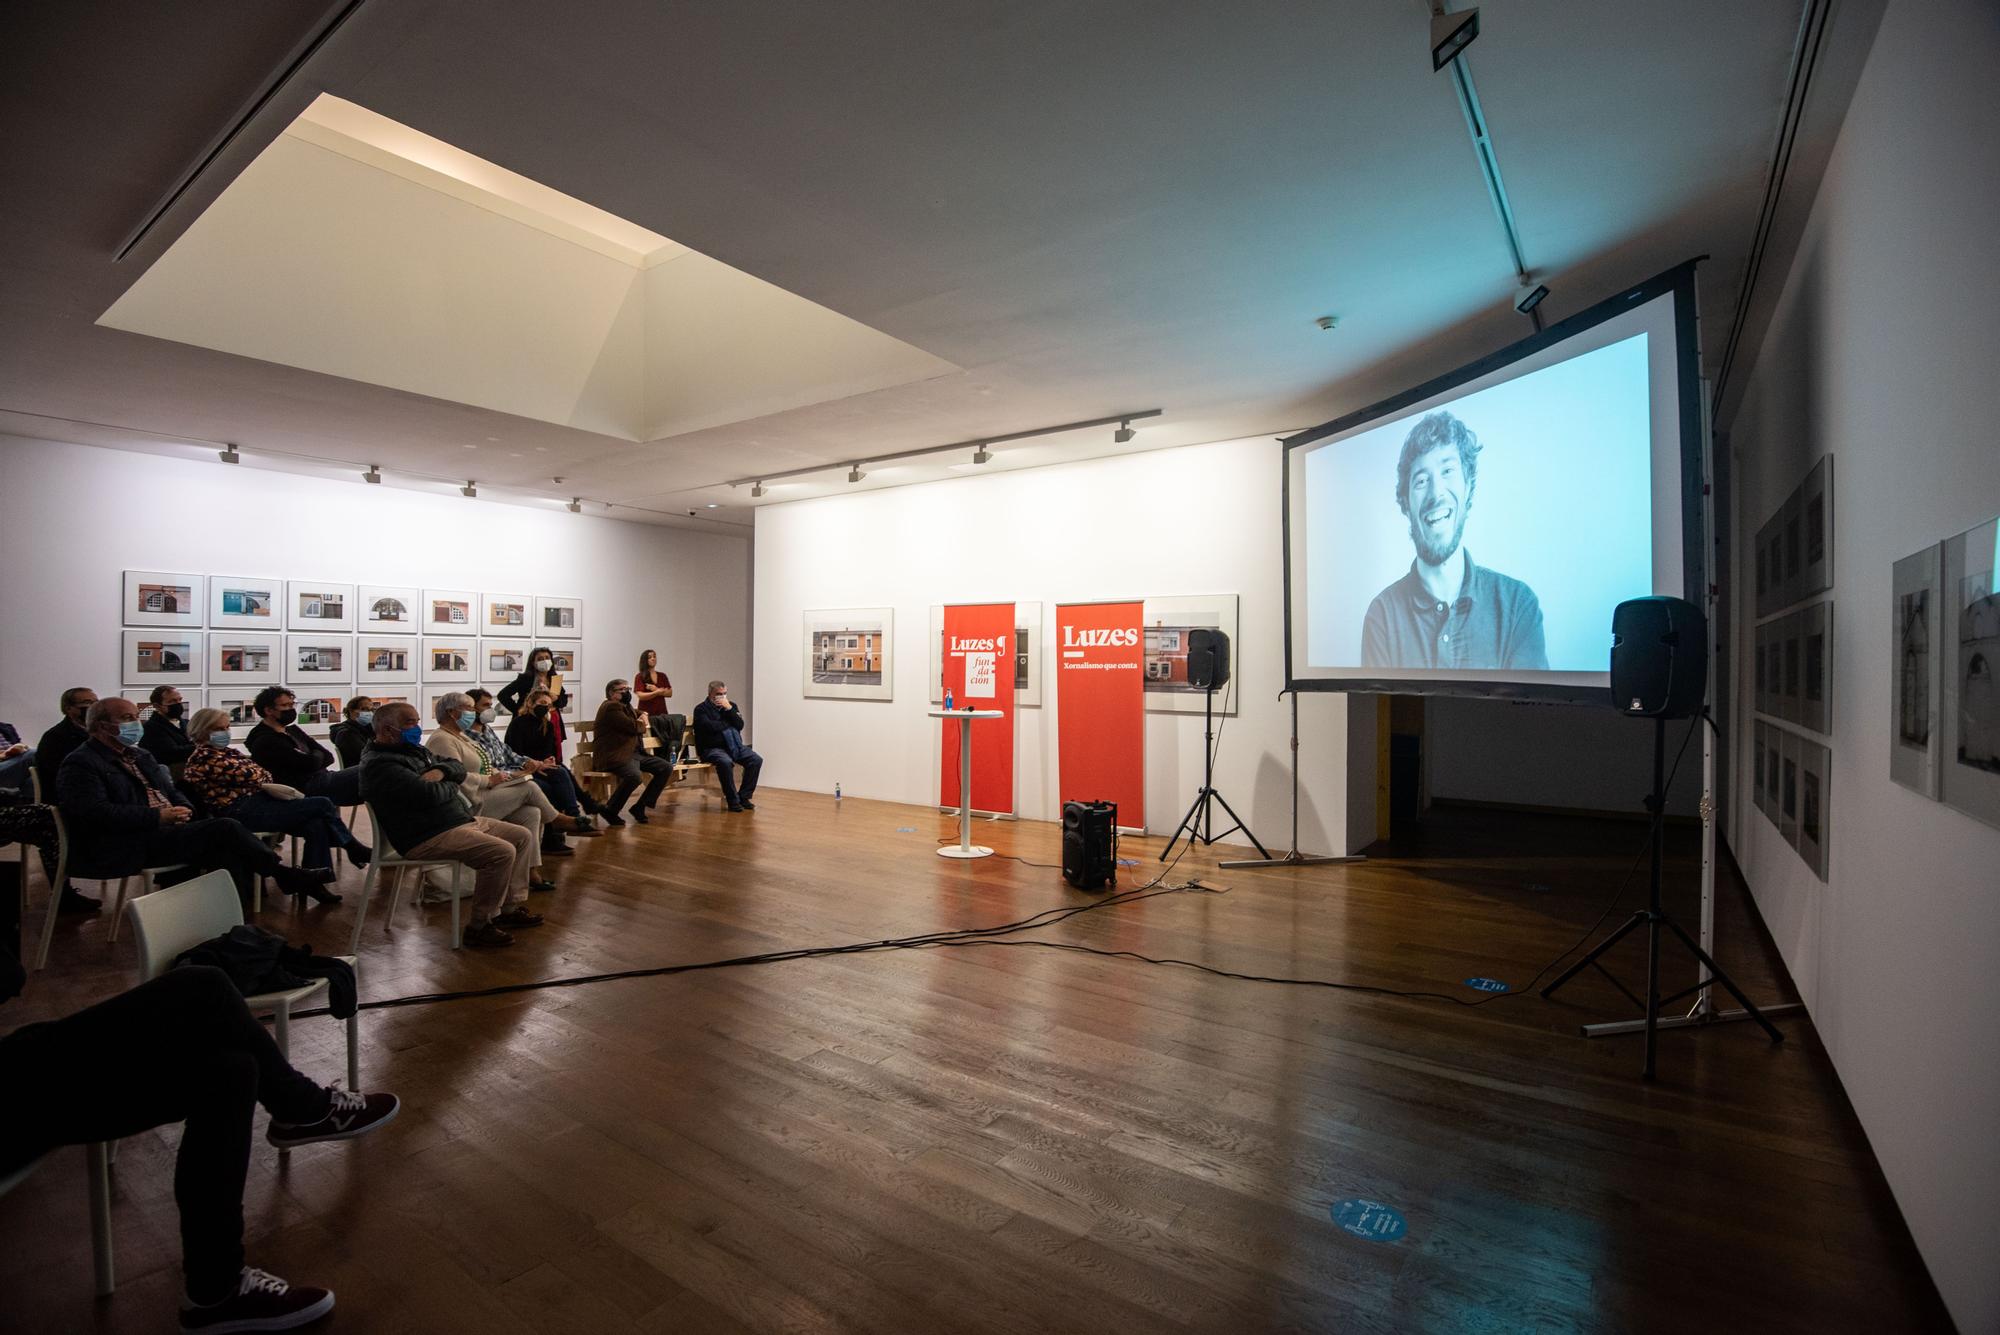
(374, 474)
(575, 505)
(855, 474)
(1451, 33)
(1124, 433)
(757, 491)
(1530, 297)
(982, 455)
(229, 455)
(470, 490)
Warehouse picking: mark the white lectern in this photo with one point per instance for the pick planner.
(965, 848)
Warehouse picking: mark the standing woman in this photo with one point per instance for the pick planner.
(540, 675)
(650, 692)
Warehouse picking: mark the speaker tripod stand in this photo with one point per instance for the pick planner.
(1293, 858)
(1653, 918)
(1199, 823)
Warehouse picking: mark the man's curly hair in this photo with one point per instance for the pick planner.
(1432, 431)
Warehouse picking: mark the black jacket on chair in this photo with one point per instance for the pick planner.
(106, 810)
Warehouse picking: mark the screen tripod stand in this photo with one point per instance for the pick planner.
(1653, 918)
(1199, 823)
(1293, 858)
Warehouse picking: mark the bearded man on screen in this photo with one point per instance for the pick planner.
(1447, 612)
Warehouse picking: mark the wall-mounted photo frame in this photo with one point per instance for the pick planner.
(1916, 659)
(502, 660)
(160, 598)
(1788, 787)
(1760, 668)
(1759, 786)
(1969, 759)
(1816, 666)
(566, 661)
(192, 698)
(240, 705)
(319, 711)
(390, 609)
(1815, 804)
(558, 619)
(385, 660)
(242, 658)
(1775, 540)
(449, 659)
(163, 654)
(246, 602)
(1762, 560)
(319, 605)
(1791, 663)
(1816, 521)
(1168, 621)
(1795, 548)
(450, 612)
(315, 658)
(505, 614)
(850, 653)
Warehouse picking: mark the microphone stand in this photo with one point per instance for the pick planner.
(1293, 858)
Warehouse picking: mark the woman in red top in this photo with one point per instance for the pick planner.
(650, 692)
(231, 784)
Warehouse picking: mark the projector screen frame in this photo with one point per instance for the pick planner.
(1679, 282)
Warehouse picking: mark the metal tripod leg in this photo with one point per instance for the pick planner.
(1634, 921)
(1716, 973)
(1239, 825)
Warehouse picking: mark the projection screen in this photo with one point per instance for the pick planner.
(1471, 536)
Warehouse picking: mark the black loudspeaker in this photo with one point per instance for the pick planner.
(1090, 844)
(1659, 658)
(1208, 659)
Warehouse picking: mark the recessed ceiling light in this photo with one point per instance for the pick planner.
(493, 438)
(470, 446)
(714, 506)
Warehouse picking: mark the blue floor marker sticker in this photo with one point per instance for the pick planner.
(1128, 862)
(1486, 984)
(1369, 1219)
(906, 829)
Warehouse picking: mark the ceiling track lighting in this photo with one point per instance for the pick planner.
(855, 474)
(575, 505)
(982, 444)
(1451, 33)
(982, 455)
(757, 491)
(229, 455)
(1123, 435)
(373, 475)
(470, 490)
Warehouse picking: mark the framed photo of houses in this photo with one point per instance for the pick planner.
(163, 654)
(245, 602)
(450, 612)
(1815, 806)
(850, 653)
(1167, 623)
(311, 658)
(319, 711)
(1917, 653)
(506, 614)
(1816, 666)
(1790, 695)
(1970, 756)
(1788, 786)
(157, 598)
(502, 660)
(385, 660)
(1816, 521)
(319, 605)
(389, 609)
(449, 658)
(1760, 785)
(566, 661)
(245, 658)
(239, 704)
(558, 619)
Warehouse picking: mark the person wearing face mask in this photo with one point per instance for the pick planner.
(539, 675)
(558, 817)
(50, 752)
(425, 814)
(718, 739)
(166, 733)
(351, 735)
(124, 814)
(617, 751)
(533, 734)
(281, 746)
(495, 792)
(231, 784)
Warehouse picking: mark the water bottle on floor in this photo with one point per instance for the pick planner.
(836, 790)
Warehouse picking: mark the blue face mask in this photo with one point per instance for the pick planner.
(131, 734)
(366, 718)
(219, 739)
(414, 735)
(466, 718)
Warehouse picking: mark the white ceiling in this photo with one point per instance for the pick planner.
(1089, 208)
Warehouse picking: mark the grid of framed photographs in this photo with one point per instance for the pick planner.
(1792, 667)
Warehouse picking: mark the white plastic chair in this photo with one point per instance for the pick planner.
(188, 914)
(97, 1155)
(387, 859)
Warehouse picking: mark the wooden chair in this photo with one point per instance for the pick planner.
(387, 859)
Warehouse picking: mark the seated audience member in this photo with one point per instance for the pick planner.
(505, 795)
(551, 778)
(533, 734)
(166, 730)
(651, 689)
(718, 739)
(124, 814)
(281, 746)
(425, 814)
(182, 1048)
(233, 785)
(350, 736)
(17, 759)
(617, 750)
(49, 753)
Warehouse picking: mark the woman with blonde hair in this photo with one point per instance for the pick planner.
(231, 784)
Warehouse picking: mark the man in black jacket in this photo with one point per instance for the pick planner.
(50, 752)
(166, 732)
(281, 746)
(124, 814)
(424, 813)
(718, 739)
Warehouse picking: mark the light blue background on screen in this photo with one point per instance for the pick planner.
(1564, 502)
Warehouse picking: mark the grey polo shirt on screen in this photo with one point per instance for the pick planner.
(1496, 622)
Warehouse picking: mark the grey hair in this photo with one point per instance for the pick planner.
(715, 686)
(450, 703)
(97, 713)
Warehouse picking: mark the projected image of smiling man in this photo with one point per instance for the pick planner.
(1448, 612)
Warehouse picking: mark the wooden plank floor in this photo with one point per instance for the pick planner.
(1018, 1139)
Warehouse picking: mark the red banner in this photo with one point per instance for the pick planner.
(979, 671)
(1101, 707)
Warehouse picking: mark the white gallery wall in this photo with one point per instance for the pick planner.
(1187, 521)
(1883, 355)
(77, 517)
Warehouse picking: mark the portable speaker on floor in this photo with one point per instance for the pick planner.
(1090, 844)
(1659, 658)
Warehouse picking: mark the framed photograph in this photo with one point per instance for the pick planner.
(450, 612)
(566, 661)
(156, 598)
(318, 712)
(385, 660)
(1758, 785)
(849, 653)
(1916, 648)
(427, 704)
(1759, 652)
(1168, 621)
(1816, 519)
(1795, 549)
(1788, 787)
(318, 658)
(240, 658)
(1775, 531)
(448, 658)
(319, 605)
(245, 602)
(1815, 806)
(1791, 665)
(239, 705)
(154, 656)
(1773, 764)
(1816, 666)
(1970, 756)
(558, 619)
(191, 696)
(388, 609)
(506, 614)
(1762, 561)
(502, 660)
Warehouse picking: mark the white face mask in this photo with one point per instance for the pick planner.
(488, 714)
(542, 665)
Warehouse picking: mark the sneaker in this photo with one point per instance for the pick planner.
(350, 1115)
(72, 902)
(516, 917)
(486, 934)
(261, 1302)
(639, 815)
